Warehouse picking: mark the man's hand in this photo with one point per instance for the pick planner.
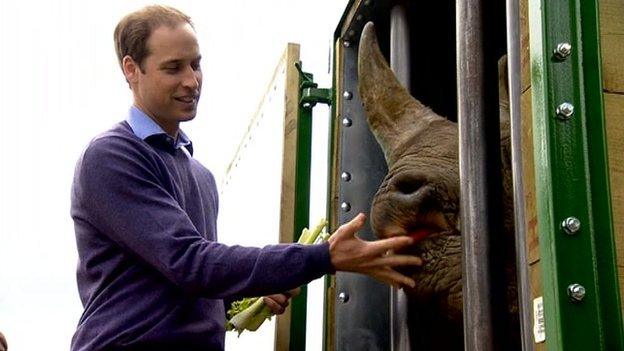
(277, 303)
(375, 258)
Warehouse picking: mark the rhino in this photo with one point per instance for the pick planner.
(420, 194)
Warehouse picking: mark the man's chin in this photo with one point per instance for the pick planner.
(186, 116)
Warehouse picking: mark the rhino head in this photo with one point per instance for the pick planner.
(420, 194)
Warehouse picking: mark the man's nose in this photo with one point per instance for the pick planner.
(192, 78)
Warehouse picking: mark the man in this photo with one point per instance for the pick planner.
(151, 274)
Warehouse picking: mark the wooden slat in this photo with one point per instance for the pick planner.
(612, 44)
(525, 54)
(528, 163)
(289, 160)
(529, 177)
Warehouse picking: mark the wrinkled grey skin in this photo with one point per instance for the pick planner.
(421, 190)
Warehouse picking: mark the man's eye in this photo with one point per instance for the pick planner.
(171, 69)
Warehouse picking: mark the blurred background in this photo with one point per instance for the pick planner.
(60, 85)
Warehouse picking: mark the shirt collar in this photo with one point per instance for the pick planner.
(144, 127)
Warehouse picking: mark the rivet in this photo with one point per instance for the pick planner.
(563, 50)
(307, 105)
(571, 225)
(346, 43)
(565, 111)
(358, 17)
(576, 292)
(346, 122)
(345, 176)
(351, 33)
(347, 95)
(367, 2)
(343, 297)
(345, 206)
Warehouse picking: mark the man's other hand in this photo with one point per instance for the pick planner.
(277, 303)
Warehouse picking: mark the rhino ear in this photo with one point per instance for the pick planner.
(392, 113)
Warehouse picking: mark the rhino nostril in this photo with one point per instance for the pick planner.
(409, 184)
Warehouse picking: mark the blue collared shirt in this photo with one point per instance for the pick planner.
(145, 127)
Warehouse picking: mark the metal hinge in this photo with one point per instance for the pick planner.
(309, 92)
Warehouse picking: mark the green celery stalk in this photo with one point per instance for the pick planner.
(249, 313)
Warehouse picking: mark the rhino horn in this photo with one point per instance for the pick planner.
(392, 113)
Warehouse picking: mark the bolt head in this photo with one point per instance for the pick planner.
(343, 297)
(346, 43)
(347, 95)
(367, 2)
(571, 225)
(346, 122)
(565, 111)
(358, 18)
(307, 105)
(576, 292)
(345, 176)
(345, 206)
(563, 50)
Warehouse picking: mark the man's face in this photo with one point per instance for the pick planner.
(168, 89)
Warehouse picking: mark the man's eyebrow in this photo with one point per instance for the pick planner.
(170, 62)
(178, 61)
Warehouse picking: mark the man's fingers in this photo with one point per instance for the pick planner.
(275, 306)
(380, 247)
(394, 278)
(353, 225)
(292, 293)
(397, 260)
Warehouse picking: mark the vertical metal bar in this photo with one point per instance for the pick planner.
(400, 65)
(581, 303)
(399, 45)
(605, 257)
(515, 90)
(475, 221)
(302, 216)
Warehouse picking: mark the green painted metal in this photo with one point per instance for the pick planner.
(314, 95)
(598, 162)
(572, 179)
(302, 209)
(309, 96)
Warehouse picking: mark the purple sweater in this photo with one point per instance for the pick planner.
(151, 275)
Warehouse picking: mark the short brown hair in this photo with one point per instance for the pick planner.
(133, 31)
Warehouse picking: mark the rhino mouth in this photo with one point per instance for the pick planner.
(423, 226)
(432, 233)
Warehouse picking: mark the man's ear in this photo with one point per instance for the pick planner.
(130, 68)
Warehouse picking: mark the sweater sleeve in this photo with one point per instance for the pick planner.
(122, 196)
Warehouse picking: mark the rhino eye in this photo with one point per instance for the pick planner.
(409, 184)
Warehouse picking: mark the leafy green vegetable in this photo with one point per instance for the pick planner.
(249, 313)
